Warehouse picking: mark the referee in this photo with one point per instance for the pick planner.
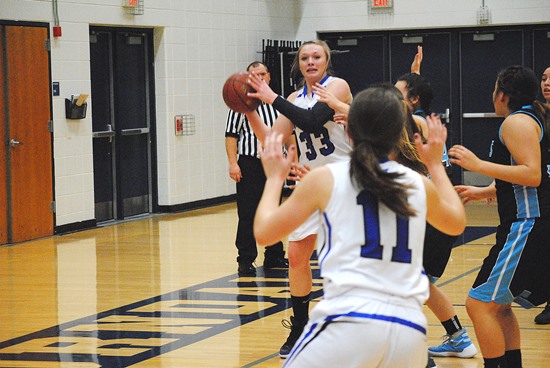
(245, 168)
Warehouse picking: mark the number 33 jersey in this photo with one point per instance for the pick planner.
(329, 144)
(365, 249)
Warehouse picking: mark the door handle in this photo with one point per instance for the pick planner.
(446, 116)
(134, 131)
(479, 115)
(15, 143)
(104, 134)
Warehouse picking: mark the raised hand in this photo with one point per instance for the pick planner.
(263, 91)
(431, 152)
(275, 164)
(417, 61)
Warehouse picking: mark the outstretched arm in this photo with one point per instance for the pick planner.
(521, 135)
(417, 61)
(307, 120)
(260, 129)
(469, 193)
(282, 125)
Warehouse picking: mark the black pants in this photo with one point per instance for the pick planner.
(249, 192)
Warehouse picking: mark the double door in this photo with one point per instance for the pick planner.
(367, 59)
(462, 66)
(364, 60)
(122, 120)
(26, 177)
(483, 55)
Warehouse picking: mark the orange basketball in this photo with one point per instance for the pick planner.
(234, 93)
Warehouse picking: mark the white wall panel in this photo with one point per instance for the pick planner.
(346, 15)
(197, 44)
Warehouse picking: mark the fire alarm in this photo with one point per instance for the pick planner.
(57, 31)
(178, 124)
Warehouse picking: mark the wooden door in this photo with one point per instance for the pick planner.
(3, 145)
(29, 143)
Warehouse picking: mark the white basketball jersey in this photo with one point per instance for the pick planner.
(366, 249)
(330, 145)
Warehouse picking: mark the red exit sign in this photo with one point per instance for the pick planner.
(376, 4)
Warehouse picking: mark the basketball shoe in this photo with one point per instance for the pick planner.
(431, 363)
(296, 327)
(544, 317)
(455, 345)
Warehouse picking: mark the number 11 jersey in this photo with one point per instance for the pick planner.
(365, 249)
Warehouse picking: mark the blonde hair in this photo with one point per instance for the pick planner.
(407, 153)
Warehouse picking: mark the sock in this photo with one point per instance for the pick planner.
(499, 362)
(452, 325)
(513, 358)
(300, 307)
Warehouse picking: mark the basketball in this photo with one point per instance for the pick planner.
(234, 93)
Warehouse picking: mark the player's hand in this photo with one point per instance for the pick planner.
(275, 163)
(325, 95)
(263, 91)
(341, 119)
(465, 158)
(417, 61)
(469, 193)
(431, 151)
(330, 99)
(297, 172)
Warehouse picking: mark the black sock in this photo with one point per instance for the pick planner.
(513, 358)
(300, 307)
(452, 325)
(499, 362)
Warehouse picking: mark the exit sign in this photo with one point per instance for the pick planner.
(130, 3)
(380, 6)
(381, 3)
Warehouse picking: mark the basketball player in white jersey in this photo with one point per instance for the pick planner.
(320, 141)
(373, 212)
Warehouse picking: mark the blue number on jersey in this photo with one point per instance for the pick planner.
(325, 150)
(373, 248)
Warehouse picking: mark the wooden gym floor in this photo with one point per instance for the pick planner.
(163, 292)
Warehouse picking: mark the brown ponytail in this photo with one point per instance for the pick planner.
(376, 124)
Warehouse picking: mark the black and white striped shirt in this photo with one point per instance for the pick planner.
(237, 126)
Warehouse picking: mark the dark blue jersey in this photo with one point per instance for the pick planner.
(519, 201)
